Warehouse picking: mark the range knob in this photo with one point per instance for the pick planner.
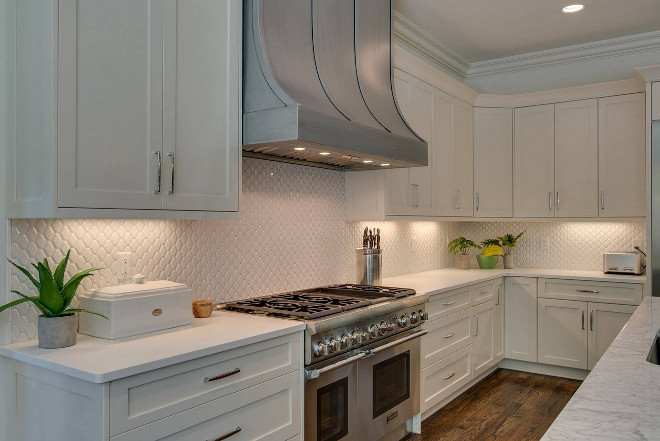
(321, 349)
(335, 345)
(402, 321)
(358, 337)
(345, 341)
(384, 327)
(414, 318)
(373, 330)
(423, 315)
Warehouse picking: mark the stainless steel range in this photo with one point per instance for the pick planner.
(362, 357)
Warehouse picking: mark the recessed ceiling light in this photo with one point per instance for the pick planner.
(384, 165)
(324, 153)
(300, 149)
(367, 161)
(571, 9)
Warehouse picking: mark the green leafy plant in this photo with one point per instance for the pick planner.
(55, 296)
(461, 245)
(509, 241)
(489, 242)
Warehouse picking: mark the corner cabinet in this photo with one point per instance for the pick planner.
(145, 109)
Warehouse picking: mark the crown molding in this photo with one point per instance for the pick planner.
(649, 74)
(565, 55)
(410, 36)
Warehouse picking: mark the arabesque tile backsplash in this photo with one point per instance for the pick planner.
(291, 235)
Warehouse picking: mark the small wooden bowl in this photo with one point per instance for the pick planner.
(202, 308)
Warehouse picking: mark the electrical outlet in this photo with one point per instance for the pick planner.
(124, 265)
(637, 243)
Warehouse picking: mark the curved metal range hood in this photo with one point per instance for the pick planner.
(317, 85)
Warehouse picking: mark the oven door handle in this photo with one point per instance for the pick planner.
(395, 343)
(316, 373)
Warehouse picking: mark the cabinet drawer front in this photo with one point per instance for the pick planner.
(144, 398)
(445, 377)
(482, 293)
(605, 292)
(445, 336)
(448, 303)
(267, 412)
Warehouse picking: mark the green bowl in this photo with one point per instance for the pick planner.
(487, 262)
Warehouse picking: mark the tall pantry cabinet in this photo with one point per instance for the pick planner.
(145, 104)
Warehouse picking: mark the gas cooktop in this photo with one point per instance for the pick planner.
(315, 303)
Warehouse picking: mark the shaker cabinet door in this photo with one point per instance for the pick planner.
(521, 318)
(622, 155)
(202, 51)
(563, 333)
(534, 159)
(605, 323)
(109, 103)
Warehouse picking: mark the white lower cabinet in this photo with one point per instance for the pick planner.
(576, 334)
(483, 354)
(442, 379)
(521, 318)
(563, 333)
(605, 323)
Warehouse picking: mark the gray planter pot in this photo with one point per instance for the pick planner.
(464, 261)
(57, 332)
(508, 261)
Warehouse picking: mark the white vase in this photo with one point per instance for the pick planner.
(508, 261)
(464, 261)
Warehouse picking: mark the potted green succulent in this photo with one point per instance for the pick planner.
(491, 250)
(509, 241)
(57, 324)
(461, 247)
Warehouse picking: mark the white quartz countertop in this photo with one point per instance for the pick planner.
(620, 399)
(98, 361)
(442, 280)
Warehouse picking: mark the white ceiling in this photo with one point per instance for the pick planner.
(481, 30)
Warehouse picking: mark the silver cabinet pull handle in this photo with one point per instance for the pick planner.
(418, 195)
(583, 319)
(591, 320)
(590, 291)
(450, 335)
(476, 331)
(159, 172)
(460, 200)
(476, 201)
(497, 302)
(602, 200)
(228, 435)
(448, 303)
(221, 376)
(171, 191)
(450, 375)
(557, 201)
(415, 195)
(550, 201)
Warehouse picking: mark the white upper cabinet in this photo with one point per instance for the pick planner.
(110, 110)
(622, 155)
(533, 167)
(146, 110)
(493, 162)
(410, 190)
(202, 122)
(576, 159)
(462, 130)
(445, 195)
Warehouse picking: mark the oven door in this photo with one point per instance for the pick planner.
(388, 385)
(331, 402)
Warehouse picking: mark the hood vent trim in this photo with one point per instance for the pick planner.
(317, 78)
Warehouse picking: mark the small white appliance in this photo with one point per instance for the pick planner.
(136, 308)
(622, 263)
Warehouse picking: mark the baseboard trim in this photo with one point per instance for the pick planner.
(544, 369)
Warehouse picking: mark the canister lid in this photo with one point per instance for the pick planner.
(132, 290)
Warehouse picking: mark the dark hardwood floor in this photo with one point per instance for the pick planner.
(507, 405)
